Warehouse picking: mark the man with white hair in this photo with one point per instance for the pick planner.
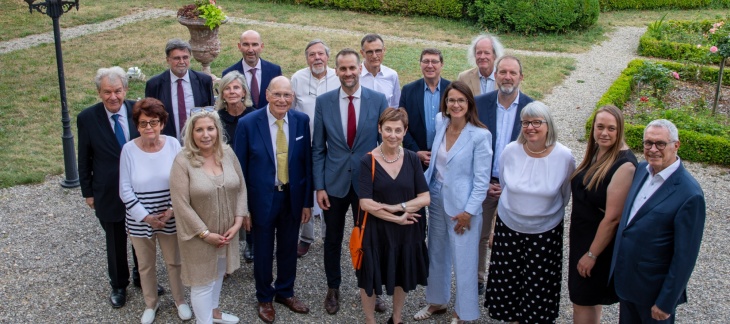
(484, 50)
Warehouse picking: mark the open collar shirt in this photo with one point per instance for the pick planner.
(189, 99)
(505, 126)
(385, 81)
(651, 185)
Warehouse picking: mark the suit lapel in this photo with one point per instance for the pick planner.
(336, 117)
(661, 194)
(419, 102)
(133, 132)
(461, 142)
(195, 84)
(475, 82)
(517, 125)
(167, 94)
(363, 117)
(106, 127)
(263, 125)
(292, 136)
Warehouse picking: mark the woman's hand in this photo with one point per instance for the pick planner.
(217, 240)
(463, 222)
(154, 221)
(166, 215)
(408, 218)
(231, 232)
(585, 265)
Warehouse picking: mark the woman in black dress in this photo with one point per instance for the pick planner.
(395, 248)
(233, 103)
(599, 185)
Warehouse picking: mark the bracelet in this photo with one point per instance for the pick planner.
(590, 255)
(204, 234)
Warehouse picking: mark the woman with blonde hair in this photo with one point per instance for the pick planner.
(233, 103)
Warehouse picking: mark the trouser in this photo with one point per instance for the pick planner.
(307, 229)
(630, 313)
(147, 257)
(335, 219)
(489, 211)
(205, 298)
(116, 253)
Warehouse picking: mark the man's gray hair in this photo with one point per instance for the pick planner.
(669, 126)
(111, 74)
(537, 109)
(496, 46)
(315, 42)
(507, 57)
(177, 44)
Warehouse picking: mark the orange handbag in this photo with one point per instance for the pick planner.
(358, 230)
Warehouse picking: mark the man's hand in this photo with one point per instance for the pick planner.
(495, 190)
(90, 202)
(424, 156)
(306, 214)
(323, 199)
(658, 314)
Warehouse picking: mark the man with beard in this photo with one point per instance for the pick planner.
(500, 111)
(484, 50)
(308, 84)
(258, 72)
(375, 75)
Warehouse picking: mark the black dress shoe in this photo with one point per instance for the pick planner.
(248, 253)
(482, 288)
(118, 297)
(135, 278)
(160, 290)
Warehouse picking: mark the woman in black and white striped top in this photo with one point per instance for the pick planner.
(144, 186)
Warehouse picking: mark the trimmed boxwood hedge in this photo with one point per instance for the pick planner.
(652, 45)
(441, 8)
(695, 146)
(608, 5)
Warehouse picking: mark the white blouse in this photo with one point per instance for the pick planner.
(535, 191)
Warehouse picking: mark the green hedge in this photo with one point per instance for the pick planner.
(695, 146)
(440, 8)
(656, 44)
(533, 16)
(608, 5)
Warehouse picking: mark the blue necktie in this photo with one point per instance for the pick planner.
(118, 131)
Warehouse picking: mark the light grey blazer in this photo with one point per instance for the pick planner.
(336, 165)
(468, 167)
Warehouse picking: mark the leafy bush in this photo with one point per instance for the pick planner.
(440, 8)
(608, 5)
(656, 76)
(533, 16)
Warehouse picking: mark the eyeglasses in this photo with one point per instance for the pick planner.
(534, 123)
(376, 52)
(432, 62)
(279, 95)
(197, 110)
(460, 101)
(659, 145)
(152, 123)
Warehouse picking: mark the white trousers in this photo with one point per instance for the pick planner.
(205, 298)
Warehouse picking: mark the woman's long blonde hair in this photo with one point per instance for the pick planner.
(191, 150)
(597, 171)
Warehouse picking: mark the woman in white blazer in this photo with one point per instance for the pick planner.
(458, 178)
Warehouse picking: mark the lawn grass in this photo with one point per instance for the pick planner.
(642, 18)
(30, 129)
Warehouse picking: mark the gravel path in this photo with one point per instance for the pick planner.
(53, 265)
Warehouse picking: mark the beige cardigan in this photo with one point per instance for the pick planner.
(199, 205)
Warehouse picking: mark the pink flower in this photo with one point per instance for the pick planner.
(713, 30)
(644, 99)
(713, 49)
(675, 75)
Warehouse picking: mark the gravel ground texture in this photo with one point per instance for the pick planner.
(53, 267)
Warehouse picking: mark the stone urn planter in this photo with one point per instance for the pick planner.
(204, 41)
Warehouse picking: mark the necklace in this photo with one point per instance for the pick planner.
(536, 153)
(383, 155)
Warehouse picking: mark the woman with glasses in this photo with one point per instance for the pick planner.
(209, 195)
(599, 186)
(458, 178)
(525, 270)
(233, 103)
(144, 186)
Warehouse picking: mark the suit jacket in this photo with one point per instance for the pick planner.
(160, 88)
(471, 78)
(98, 155)
(268, 71)
(466, 178)
(487, 110)
(258, 163)
(336, 165)
(412, 100)
(655, 253)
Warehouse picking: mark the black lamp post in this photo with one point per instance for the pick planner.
(54, 9)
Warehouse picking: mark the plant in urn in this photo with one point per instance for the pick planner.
(203, 18)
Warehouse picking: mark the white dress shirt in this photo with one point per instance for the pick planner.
(344, 102)
(307, 88)
(189, 99)
(247, 74)
(650, 186)
(385, 82)
(122, 120)
(274, 130)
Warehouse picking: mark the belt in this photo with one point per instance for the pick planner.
(282, 187)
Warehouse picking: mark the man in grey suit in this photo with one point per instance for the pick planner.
(345, 128)
(659, 235)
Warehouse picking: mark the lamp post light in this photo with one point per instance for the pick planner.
(54, 9)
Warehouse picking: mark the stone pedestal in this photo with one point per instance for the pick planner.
(204, 41)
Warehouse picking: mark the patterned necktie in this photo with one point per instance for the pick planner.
(254, 88)
(282, 154)
(118, 131)
(182, 113)
(351, 122)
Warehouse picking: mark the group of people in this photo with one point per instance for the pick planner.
(446, 172)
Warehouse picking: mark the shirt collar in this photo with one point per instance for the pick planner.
(667, 171)
(272, 119)
(364, 71)
(425, 85)
(122, 111)
(357, 93)
(173, 77)
(247, 68)
(490, 77)
(514, 103)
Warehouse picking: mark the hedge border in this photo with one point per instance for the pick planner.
(652, 47)
(695, 146)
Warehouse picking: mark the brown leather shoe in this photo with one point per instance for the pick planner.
(266, 312)
(294, 304)
(302, 248)
(332, 301)
(380, 306)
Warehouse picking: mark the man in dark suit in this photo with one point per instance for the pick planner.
(421, 99)
(258, 72)
(500, 111)
(273, 147)
(659, 235)
(179, 88)
(102, 130)
(345, 128)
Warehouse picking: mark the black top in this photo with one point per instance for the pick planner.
(230, 123)
(588, 212)
(394, 255)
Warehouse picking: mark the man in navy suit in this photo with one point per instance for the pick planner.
(179, 88)
(345, 128)
(659, 236)
(500, 111)
(273, 147)
(102, 129)
(258, 72)
(421, 99)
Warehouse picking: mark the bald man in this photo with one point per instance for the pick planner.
(258, 71)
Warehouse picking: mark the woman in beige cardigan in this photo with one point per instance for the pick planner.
(209, 197)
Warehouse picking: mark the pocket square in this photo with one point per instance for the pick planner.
(298, 138)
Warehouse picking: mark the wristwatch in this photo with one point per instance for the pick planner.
(403, 205)
(590, 255)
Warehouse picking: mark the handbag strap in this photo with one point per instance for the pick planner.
(372, 178)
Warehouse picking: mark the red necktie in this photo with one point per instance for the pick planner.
(351, 124)
(182, 114)
(254, 88)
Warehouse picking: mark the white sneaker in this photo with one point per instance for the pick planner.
(149, 315)
(226, 319)
(184, 312)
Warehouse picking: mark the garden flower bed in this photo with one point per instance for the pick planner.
(687, 41)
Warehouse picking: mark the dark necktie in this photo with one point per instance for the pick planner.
(118, 131)
(182, 114)
(351, 124)
(254, 88)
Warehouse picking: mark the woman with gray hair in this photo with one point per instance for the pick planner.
(233, 103)
(525, 270)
